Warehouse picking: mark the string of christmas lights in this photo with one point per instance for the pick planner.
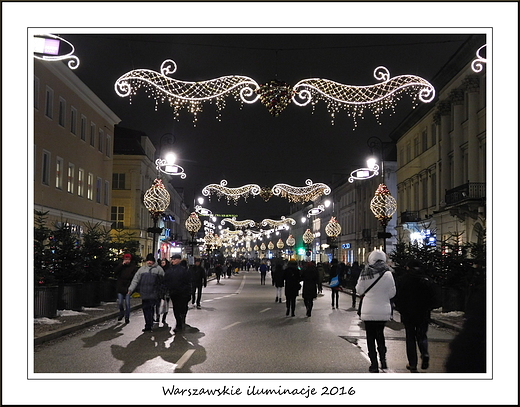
(239, 223)
(478, 64)
(283, 221)
(301, 194)
(231, 193)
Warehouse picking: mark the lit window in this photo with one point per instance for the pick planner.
(70, 179)
(59, 172)
(81, 182)
(90, 186)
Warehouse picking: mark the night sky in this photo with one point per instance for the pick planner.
(249, 144)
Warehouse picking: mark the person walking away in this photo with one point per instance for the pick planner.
(335, 271)
(124, 272)
(321, 276)
(310, 285)
(278, 281)
(415, 298)
(198, 279)
(292, 279)
(355, 271)
(263, 272)
(218, 272)
(165, 295)
(147, 281)
(376, 308)
(178, 284)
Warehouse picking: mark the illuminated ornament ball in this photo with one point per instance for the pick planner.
(308, 237)
(383, 204)
(333, 228)
(193, 223)
(290, 241)
(157, 198)
(275, 95)
(279, 244)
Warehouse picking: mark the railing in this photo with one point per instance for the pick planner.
(469, 191)
(409, 216)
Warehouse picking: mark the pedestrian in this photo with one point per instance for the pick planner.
(291, 276)
(321, 276)
(147, 281)
(263, 272)
(335, 271)
(377, 287)
(165, 295)
(218, 272)
(355, 271)
(310, 285)
(124, 272)
(178, 284)
(277, 280)
(198, 280)
(415, 298)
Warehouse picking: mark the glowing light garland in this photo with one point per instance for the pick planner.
(315, 211)
(239, 223)
(74, 60)
(283, 221)
(231, 193)
(383, 205)
(275, 95)
(169, 168)
(203, 211)
(364, 173)
(301, 194)
(156, 198)
(477, 64)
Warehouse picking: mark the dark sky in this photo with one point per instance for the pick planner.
(248, 144)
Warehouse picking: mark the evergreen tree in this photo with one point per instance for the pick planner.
(42, 256)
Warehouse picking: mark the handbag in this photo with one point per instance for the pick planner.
(334, 282)
(367, 290)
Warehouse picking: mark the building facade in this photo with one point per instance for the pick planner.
(73, 145)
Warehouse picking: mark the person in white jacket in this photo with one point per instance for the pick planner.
(376, 308)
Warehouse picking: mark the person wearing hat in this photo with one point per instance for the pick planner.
(177, 281)
(377, 287)
(124, 272)
(147, 281)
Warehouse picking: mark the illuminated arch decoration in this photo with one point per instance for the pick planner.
(383, 205)
(43, 52)
(275, 95)
(239, 223)
(478, 64)
(282, 222)
(231, 193)
(301, 194)
(182, 94)
(355, 99)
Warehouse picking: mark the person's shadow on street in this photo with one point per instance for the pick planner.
(112, 332)
(183, 352)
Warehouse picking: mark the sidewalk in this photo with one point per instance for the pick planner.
(46, 329)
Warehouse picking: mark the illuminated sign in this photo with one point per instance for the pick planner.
(345, 246)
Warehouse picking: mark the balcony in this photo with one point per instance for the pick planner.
(468, 192)
(410, 216)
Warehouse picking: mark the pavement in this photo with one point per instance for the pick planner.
(68, 322)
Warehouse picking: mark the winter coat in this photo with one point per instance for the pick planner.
(125, 273)
(277, 276)
(198, 276)
(291, 276)
(415, 297)
(147, 281)
(376, 303)
(310, 282)
(178, 281)
(335, 271)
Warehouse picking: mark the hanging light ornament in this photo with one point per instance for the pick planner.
(279, 244)
(156, 199)
(256, 247)
(275, 95)
(283, 221)
(301, 194)
(333, 228)
(290, 241)
(231, 193)
(270, 246)
(193, 223)
(383, 205)
(266, 193)
(262, 246)
(308, 237)
(239, 223)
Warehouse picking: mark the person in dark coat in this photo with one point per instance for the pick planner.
(125, 272)
(218, 272)
(147, 281)
(310, 285)
(164, 294)
(198, 280)
(355, 271)
(178, 284)
(263, 272)
(291, 276)
(414, 299)
(277, 280)
(335, 271)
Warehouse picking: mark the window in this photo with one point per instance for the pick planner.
(106, 193)
(434, 134)
(101, 140)
(434, 189)
(70, 179)
(92, 134)
(408, 152)
(73, 120)
(425, 192)
(90, 186)
(117, 216)
(416, 147)
(49, 97)
(61, 112)
(36, 93)
(59, 172)
(424, 140)
(108, 146)
(81, 182)
(98, 190)
(118, 181)
(83, 129)
(46, 161)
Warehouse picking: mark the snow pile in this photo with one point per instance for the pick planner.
(46, 321)
(69, 313)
